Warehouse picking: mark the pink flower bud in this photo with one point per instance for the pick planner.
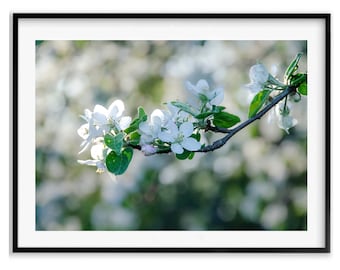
(148, 150)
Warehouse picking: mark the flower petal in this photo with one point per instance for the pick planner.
(286, 122)
(116, 109)
(177, 148)
(145, 128)
(83, 131)
(124, 122)
(166, 137)
(146, 139)
(191, 144)
(172, 128)
(88, 162)
(258, 74)
(219, 96)
(186, 129)
(156, 121)
(83, 146)
(191, 88)
(254, 88)
(158, 114)
(202, 86)
(88, 114)
(99, 115)
(100, 109)
(97, 151)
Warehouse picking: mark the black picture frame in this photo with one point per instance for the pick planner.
(16, 39)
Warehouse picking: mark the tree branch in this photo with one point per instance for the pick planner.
(216, 129)
(231, 132)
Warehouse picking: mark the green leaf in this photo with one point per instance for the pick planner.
(298, 79)
(203, 115)
(141, 114)
(191, 156)
(184, 155)
(117, 164)
(225, 120)
(257, 102)
(217, 109)
(134, 138)
(293, 66)
(184, 107)
(203, 98)
(303, 89)
(114, 142)
(142, 117)
(196, 136)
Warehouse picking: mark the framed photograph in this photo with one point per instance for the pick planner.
(171, 132)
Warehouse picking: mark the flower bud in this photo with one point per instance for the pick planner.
(148, 149)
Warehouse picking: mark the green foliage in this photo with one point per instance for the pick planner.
(203, 98)
(184, 155)
(217, 109)
(118, 163)
(293, 66)
(204, 115)
(225, 120)
(134, 138)
(303, 89)
(115, 142)
(184, 107)
(142, 117)
(298, 79)
(257, 102)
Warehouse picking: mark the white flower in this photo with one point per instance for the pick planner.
(180, 137)
(97, 154)
(177, 115)
(89, 131)
(202, 90)
(281, 116)
(258, 75)
(150, 130)
(284, 120)
(101, 121)
(113, 116)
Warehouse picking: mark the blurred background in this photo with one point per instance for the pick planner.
(257, 181)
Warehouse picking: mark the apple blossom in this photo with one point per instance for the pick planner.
(149, 130)
(98, 152)
(203, 94)
(180, 137)
(258, 75)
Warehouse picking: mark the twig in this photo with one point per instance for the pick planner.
(209, 127)
(219, 143)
